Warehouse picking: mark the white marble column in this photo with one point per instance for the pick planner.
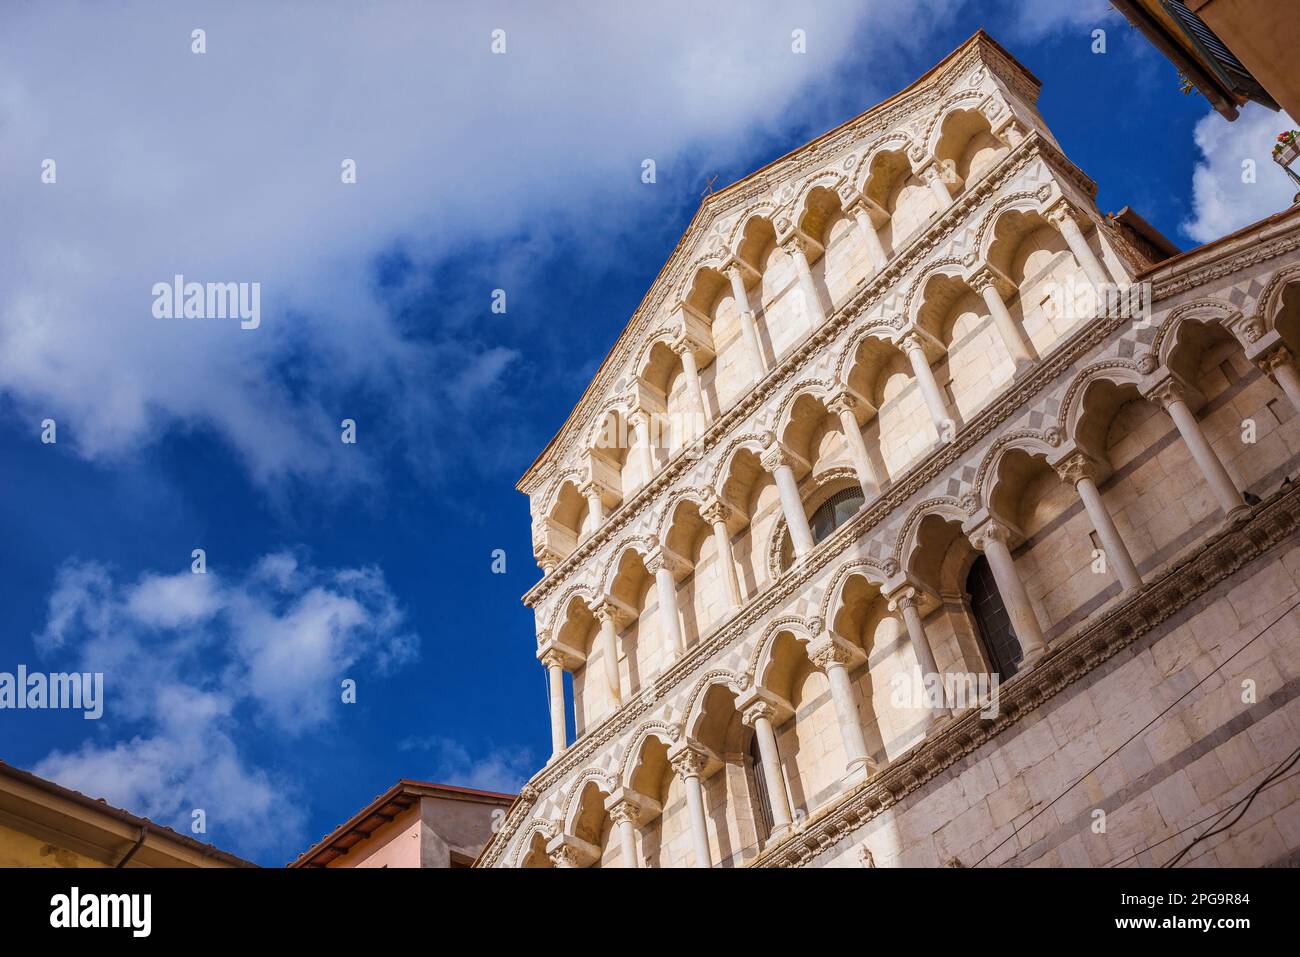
(748, 324)
(933, 176)
(595, 507)
(906, 603)
(662, 564)
(986, 282)
(1176, 400)
(688, 764)
(1081, 471)
(553, 662)
(607, 614)
(625, 815)
(780, 463)
(992, 539)
(835, 657)
(877, 258)
(844, 406)
(929, 386)
(759, 716)
(640, 419)
(716, 513)
(694, 391)
(1280, 364)
(798, 246)
(1062, 217)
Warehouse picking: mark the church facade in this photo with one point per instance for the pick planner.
(922, 515)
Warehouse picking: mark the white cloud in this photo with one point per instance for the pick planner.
(225, 167)
(194, 664)
(1221, 200)
(449, 762)
(1042, 18)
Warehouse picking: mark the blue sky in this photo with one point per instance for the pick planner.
(474, 172)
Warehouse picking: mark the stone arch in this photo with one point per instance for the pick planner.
(667, 734)
(1198, 310)
(538, 827)
(1029, 441)
(765, 211)
(1270, 301)
(961, 140)
(898, 141)
(907, 543)
(597, 431)
(1187, 325)
(882, 330)
(963, 101)
(753, 442)
(736, 683)
(604, 780)
(828, 179)
(573, 476)
(915, 297)
(581, 591)
(1026, 201)
(643, 545)
(804, 629)
(1116, 372)
(697, 494)
(875, 571)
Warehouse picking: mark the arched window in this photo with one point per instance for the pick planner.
(830, 515)
(992, 621)
(835, 511)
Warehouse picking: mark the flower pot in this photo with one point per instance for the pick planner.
(1287, 154)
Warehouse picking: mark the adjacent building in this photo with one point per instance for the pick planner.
(413, 824)
(43, 824)
(923, 515)
(1232, 51)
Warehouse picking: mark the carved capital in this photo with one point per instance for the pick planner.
(565, 850)
(1078, 466)
(904, 598)
(988, 277)
(632, 806)
(757, 711)
(548, 559)
(688, 761)
(625, 812)
(553, 654)
(914, 342)
(989, 532)
(775, 456)
(800, 242)
(1170, 391)
(843, 401)
(1061, 211)
(609, 608)
(1275, 359)
(716, 510)
(695, 344)
(829, 650)
(663, 558)
(744, 270)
